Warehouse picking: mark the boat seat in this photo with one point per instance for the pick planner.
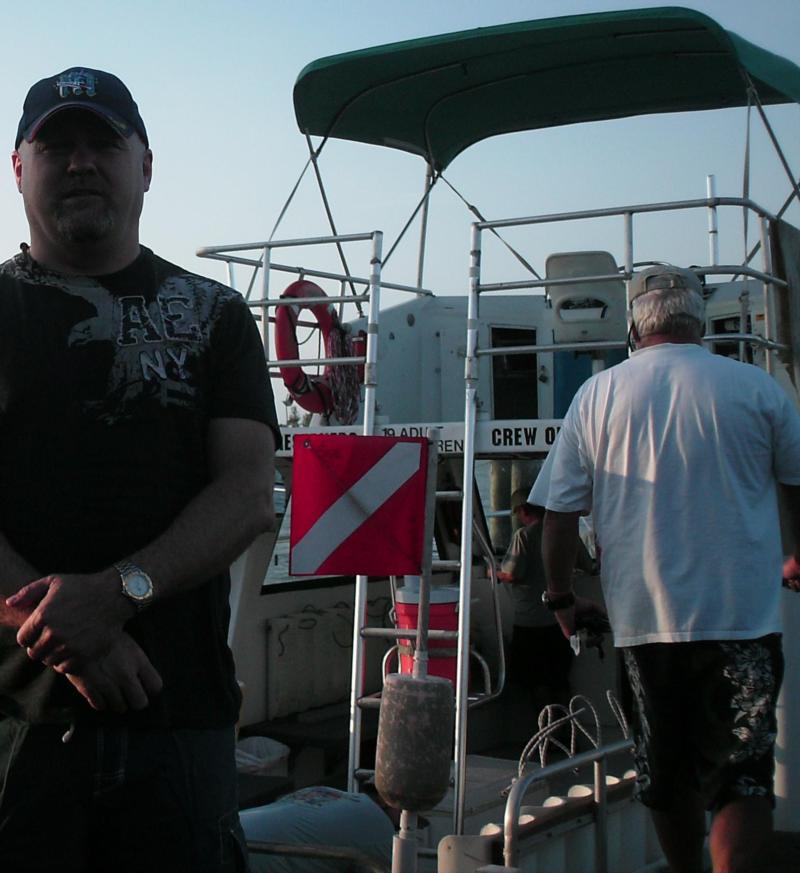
(586, 311)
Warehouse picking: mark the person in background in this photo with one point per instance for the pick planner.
(680, 454)
(541, 658)
(137, 431)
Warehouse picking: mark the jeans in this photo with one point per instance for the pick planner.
(118, 800)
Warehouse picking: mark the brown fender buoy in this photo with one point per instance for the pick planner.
(415, 740)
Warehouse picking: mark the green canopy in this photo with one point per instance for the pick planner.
(438, 95)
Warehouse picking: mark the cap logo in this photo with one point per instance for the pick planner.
(76, 82)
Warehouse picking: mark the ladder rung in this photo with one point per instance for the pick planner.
(396, 633)
(436, 634)
(449, 495)
(371, 702)
(433, 633)
(445, 565)
(386, 633)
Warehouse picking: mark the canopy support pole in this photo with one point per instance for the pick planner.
(313, 156)
(289, 200)
(422, 203)
(778, 149)
(793, 182)
(477, 213)
(423, 228)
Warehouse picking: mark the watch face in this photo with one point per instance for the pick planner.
(138, 585)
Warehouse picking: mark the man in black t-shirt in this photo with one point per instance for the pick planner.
(137, 432)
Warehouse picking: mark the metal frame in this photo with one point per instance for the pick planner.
(234, 255)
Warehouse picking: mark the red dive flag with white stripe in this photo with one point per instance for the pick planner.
(358, 505)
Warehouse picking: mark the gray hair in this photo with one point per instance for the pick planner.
(674, 311)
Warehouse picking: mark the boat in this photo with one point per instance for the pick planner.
(485, 378)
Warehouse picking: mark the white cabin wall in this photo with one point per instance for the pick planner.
(421, 350)
(453, 352)
(250, 611)
(430, 393)
(545, 388)
(399, 371)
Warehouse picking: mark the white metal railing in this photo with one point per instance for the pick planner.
(264, 303)
(598, 758)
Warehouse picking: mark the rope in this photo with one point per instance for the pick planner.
(411, 218)
(619, 713)
(477, 213)
(551, 719)
(343, 377)
(550, 722)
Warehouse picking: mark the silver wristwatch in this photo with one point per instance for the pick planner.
(137, 586)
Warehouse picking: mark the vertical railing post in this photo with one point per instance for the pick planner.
(713, 231)
(744, 313)
(420, 668)
(423, 226)
(360, 595)
(769, 311)
(265, 270)
(601, 816)
(465, 581)
(628, 245)
(370, 367)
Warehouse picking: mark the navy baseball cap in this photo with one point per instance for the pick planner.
(81, 88)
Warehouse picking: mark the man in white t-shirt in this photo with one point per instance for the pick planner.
(679, 454)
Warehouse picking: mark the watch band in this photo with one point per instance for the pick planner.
(559, 601)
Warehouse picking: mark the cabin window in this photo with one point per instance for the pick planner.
(515, 392)
(732, 324)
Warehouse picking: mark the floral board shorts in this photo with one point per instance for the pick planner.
(704, 718)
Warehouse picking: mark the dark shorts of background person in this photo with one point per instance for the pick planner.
(704, 718)
(161, 801)
(541, 657)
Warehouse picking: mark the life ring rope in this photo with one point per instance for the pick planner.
(335, 392)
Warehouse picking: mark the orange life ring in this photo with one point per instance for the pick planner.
(313, 393)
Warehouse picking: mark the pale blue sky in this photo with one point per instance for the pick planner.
(214, 84)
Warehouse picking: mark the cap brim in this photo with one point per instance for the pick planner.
(117, 124)
(688, 281)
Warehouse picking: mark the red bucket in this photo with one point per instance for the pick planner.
(443, 616)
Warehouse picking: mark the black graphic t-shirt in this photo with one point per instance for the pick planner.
(107, 385)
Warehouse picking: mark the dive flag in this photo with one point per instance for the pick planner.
(358, 505)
